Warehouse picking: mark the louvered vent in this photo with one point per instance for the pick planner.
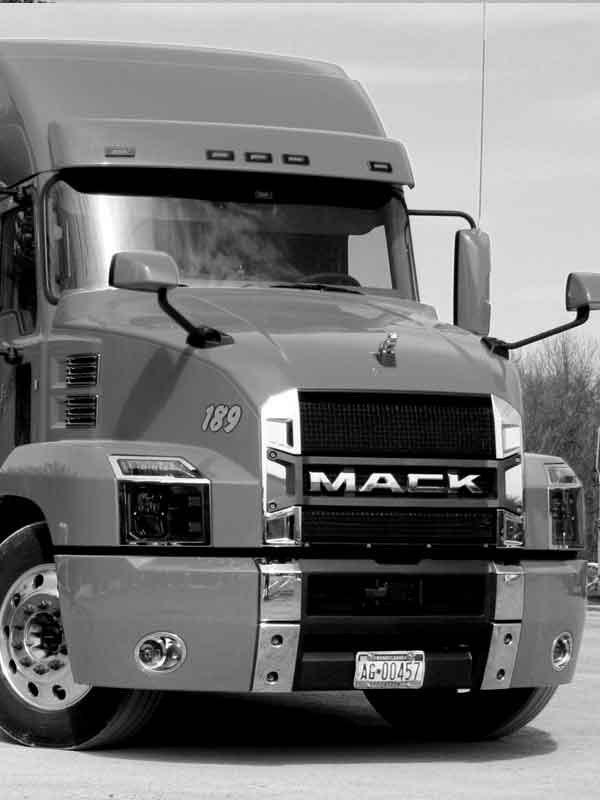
(81, 411)
(81, 369)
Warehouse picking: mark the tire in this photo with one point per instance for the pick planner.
(445, 714)
(40, 703)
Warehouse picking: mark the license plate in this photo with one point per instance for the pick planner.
(398, 669)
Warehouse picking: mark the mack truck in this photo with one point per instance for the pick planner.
(239, 453)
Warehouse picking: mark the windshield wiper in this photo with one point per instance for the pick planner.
(319, 287)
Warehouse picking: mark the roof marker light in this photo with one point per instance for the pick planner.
(220, 155)
(296, 159)
(259, 158)
(119, 151)
(380, 166)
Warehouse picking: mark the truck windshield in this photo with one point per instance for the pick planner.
(230, 229)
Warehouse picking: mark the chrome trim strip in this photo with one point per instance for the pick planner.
(502, 655)
(280, 422)
(276, 654)
(510, 592)
(280, 592)
(279, 431)
(114, 462)
(293, 517)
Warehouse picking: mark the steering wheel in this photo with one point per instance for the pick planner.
(332, 277)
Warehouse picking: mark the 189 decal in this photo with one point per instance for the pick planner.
(221, 418)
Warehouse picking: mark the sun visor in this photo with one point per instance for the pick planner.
(218, 146)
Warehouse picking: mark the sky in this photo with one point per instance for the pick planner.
(421, 63)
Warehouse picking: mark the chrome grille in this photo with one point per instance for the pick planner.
(81, 411)
(81, 369)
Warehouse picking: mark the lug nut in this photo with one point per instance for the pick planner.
(43, 605)
(40, 669)
(25, 661)
(28, 610)
(55, 664)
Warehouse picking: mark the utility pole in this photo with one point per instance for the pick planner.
(596, 526)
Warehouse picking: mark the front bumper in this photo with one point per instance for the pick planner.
(481, 624)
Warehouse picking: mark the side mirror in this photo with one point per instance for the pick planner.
(582, 296)
(583, 289)
(472, 267)
(143, 271)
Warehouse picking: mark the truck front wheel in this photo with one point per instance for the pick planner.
(445, 714)
(41, 704)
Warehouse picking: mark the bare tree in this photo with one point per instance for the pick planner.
(561, 397)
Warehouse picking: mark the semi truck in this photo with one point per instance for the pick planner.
(239, 453)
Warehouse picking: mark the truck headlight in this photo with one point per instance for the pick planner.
(565, 506)
(162, 501)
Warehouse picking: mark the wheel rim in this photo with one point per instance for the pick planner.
(33, 652)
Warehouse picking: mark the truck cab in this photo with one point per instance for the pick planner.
(238, 452)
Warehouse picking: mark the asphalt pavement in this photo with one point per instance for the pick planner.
(323, 746)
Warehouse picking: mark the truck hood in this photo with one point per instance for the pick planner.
(304, 338)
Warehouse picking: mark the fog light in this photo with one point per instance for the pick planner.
(160, 652)
(562, 651)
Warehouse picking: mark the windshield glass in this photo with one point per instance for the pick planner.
(230, 229)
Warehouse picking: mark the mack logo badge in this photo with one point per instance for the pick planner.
(409, 483)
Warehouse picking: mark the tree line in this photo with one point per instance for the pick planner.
(561, 400)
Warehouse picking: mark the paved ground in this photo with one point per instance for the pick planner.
(324, 746)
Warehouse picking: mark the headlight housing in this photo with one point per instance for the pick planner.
(162, 501)
(565, 507)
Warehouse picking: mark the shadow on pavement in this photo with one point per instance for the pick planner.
(303, 728)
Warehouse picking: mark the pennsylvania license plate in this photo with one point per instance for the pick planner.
(397, 669)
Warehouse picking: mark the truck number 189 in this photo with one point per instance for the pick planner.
(221, 417)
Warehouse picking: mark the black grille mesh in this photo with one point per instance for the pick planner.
(396, 595)
(396, 424)
(353, 525)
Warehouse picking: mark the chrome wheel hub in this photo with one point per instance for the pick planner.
(33, 653)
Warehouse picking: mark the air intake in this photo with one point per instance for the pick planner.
(397, 425)
(82, 369)
(81, 411)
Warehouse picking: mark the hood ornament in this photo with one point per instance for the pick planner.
(386, 354)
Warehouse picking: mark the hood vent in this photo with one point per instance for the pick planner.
(82, 369)
(81, 411)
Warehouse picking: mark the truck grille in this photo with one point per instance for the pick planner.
(385, 525)
(397, 424)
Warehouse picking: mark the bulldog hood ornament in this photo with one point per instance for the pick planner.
(386, 355)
